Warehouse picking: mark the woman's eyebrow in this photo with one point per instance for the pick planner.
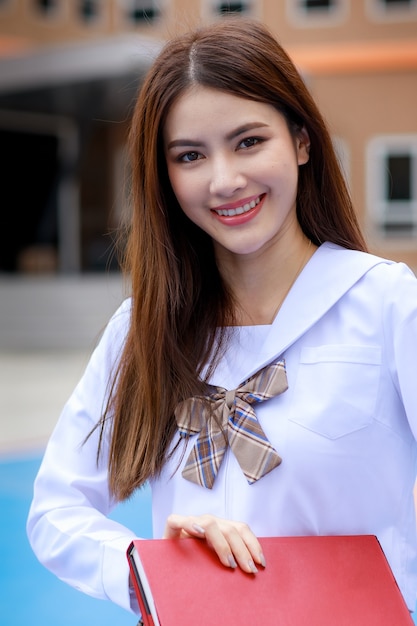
(181, 143)
(244, 128)
(192, 143)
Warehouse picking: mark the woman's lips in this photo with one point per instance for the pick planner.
(241, 213)
(242, 208)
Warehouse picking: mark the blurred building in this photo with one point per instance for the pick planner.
(70, 69)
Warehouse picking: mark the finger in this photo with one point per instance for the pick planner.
(252, 543)
(234, 542)
(182, 526)
(237, 541)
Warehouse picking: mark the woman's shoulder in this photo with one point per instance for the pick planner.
(390, 285)
(122, 313)
(340, 270)
(377, 265)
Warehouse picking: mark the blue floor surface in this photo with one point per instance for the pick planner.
(29, 594)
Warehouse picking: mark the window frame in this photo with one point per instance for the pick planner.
(379, 207)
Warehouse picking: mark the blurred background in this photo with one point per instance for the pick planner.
(69, 72)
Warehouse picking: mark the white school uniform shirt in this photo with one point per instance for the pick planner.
(345, 429)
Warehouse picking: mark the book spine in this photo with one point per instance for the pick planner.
(146, 616)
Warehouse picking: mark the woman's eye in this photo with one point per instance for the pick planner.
(189, 157)
(249, 142)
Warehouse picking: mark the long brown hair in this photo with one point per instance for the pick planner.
(179, 300)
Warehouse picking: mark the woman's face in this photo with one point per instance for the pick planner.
(233, 166)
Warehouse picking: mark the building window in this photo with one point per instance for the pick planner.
(88, 10)
(49, 11)
(317, 12)
(395, 4)
(141, 11)
(232, 7)
(317, 5)
(391, 10)
(47, 7)
(215, 8)
(399, 170)
(392, 185)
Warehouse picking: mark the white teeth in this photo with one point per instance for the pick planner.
(242, 209)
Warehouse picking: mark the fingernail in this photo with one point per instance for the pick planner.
(262, 560)
(199, 529)
(232, 561)
(252, 566)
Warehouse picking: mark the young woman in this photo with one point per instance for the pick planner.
(254, 307)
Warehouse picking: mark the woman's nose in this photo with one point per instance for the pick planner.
(226, 178)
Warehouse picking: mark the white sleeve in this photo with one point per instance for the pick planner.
(67, 524)
(401, 326)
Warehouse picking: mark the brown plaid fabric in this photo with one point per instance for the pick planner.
(225, 418)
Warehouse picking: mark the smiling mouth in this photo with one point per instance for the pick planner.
(239, 210)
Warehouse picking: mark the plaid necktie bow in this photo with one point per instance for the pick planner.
(225, 418)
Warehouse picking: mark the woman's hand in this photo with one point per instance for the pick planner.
(234, 542)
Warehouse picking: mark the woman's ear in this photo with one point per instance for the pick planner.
(303, 145)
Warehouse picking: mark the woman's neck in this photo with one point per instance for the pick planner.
(261, 283)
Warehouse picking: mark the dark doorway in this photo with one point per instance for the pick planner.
(29, 174)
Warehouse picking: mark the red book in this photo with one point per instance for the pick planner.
(314, 581)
